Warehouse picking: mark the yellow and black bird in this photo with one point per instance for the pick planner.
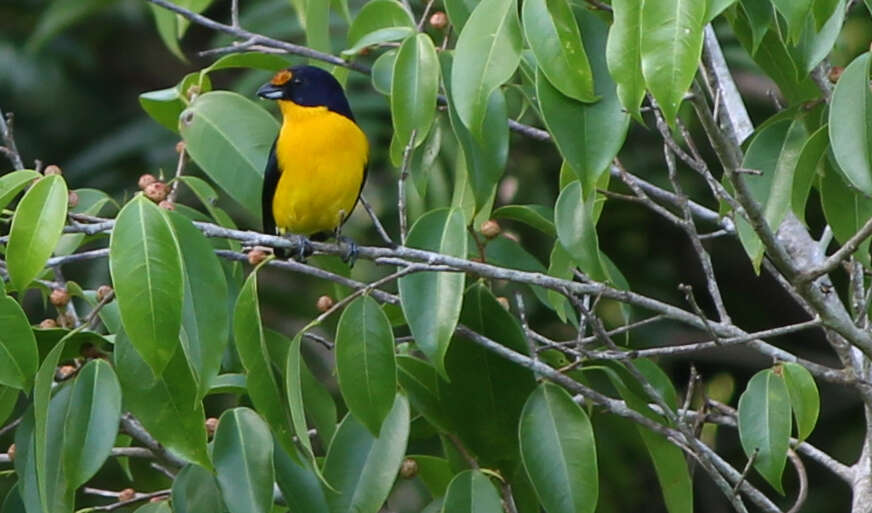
(317, 164)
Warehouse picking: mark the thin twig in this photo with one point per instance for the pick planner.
(138, 497)
(401, 186)
(379, 227)
(803, 481)
(180, 168)
(6, 131)
(132, 427)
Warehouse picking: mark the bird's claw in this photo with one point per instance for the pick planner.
(352, 250)
(304, 250)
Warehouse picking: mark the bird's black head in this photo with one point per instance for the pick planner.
(307, 86)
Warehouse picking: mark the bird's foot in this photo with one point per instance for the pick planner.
(305, 249)
(352, 250)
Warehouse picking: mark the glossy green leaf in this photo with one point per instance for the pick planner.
(243, 455)
(670, 466)
(553, 34)
(208, 197)
(8, 399)
(458, 12)
(807, 166)
(671, 49)
(36, 228)
(558, 451)
(484, 398)
(383, 72)
(431, 301)
(169, 406)
(229, 383)
(164, 106)
(13, 503)
(795, 13)
(539, 217)
(487, 53)
(413, 88)
(774, 152)
(823, 11)
(318, 404)
(845, 209)
(205, 323)
(45, 456)
(155, 507)
(25, 462)
(13, 183)
(195, 490)
(91, 423)
(229, 137)
(362, 468)
(588, 136)
(624, 54)
(294, 391)
(764, 424)
(434, 472)
(573, 218)
(379, 21)
(253, 60)
(299, 484)
(317, 25)
(365, 363)
(715, 7)
(171, 26)
(420, 382)
(850, 124)
(804, 397)
(814, 45)
(91, 202)
(264, 386)
(148, 280)
(471, 492)
(18, 354)
(759, 15)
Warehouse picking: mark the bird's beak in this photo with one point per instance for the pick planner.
(270, 91)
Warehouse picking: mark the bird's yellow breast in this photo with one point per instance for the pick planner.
(321, 156)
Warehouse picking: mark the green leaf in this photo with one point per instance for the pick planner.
(13, 183)
(155, 507)
(764, 424)
(845, 209)
(759, 16)
(471, 492)
(171, 26)
(318, 404)
(195, 490)
(431, 300)
(795, 13)
(414, 87)
(58, 16)
(434, 472)
(299, 484)
(573, 218)
(229, 383)
(588, 136)
(624, 54)
(294, 391)
(559, 451)
(229, 137)
(8, 400)
(18, 354)
(537, 216)
(420, 382)
(148, 280)
(317, 25)
(383, 71)
(243, 454)
(378, 21)
(774, 152)
(91, 202)
(264, 387)
(45, 461)
(36, 228)
(253, 60)
(205, 322)
(484, 398)
(168, 406)
(807, 167)
(365, 363)
(362, 468)
(850, 124)
(715, 7)
(670, 466)
(814, 45)
(823, 11)
(164, 106)
(459, 11)
(91, 423)
(671, 49)
(208, 197)
(553, 34)
(804, 397)
(487, 53)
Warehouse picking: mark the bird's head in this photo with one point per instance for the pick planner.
(307, 86)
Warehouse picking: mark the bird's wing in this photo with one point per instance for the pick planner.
(270, 182)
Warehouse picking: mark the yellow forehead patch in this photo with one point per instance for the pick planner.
(281, 78)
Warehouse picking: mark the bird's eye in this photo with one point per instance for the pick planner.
(297, 81)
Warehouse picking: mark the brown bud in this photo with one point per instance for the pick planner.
(835, 73)
(159, 498)
(363, 51)
(126, 494)
(257, 255)
(180, 146)
(48, 324)
(65, 371)
(167, 204)
(324, 303)
(490, 228)
(409, 468)
(11, 452)
(103, 291)
(193, 91)
(59, 297)
(146, 180)
(73, 199)
(438, 20)
(65, 320)
(502, 300)
(52, 170)
(157, 191)
(211, 425)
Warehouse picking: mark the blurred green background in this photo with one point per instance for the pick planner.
(72, 70)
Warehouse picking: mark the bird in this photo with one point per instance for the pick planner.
(317, 165)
